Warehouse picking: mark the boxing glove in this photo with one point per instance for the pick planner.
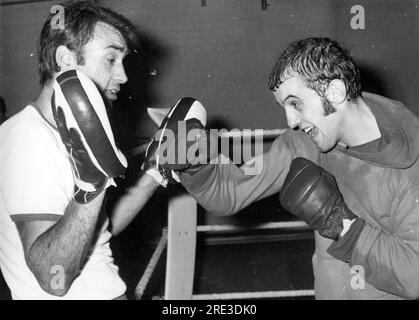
(177, 144)
(311, 193)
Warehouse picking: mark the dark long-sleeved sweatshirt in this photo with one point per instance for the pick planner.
(379, 182)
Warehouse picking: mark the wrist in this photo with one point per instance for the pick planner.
(157, 177)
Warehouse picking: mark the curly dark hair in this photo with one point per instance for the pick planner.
(318, 61)
(80, 18)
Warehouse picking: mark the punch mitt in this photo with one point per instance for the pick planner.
(82, 122)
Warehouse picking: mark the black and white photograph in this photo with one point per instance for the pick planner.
(211, 157)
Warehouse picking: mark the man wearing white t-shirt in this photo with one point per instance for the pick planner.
(52, 246)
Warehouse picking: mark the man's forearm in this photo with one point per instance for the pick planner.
(131, 202)
(64, 246)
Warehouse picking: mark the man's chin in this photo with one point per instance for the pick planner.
(109, 101)
(111, 97)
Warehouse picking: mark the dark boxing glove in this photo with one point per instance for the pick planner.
(311, 193)
(84, 128)
(177, 144)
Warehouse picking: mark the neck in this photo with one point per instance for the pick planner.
(359, 124)
(43, 102)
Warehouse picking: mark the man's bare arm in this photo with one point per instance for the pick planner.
(63, 244)
(131, 202)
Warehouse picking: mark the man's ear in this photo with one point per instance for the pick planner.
(336, 91)
(66, 59)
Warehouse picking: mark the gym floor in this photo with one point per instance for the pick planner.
(248, 261)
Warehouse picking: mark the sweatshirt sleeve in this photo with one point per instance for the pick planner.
(223, 188)
(389, 258)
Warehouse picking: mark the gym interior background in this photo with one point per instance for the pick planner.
(221, 52)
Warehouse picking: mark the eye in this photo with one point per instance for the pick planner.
(296, 105)
(111, 60)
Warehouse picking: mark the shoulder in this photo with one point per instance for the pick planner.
(27, 140)
(298, 143)
(27, 129)
(389, 108)
(35, 174)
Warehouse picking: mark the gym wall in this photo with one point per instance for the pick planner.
(222, 51)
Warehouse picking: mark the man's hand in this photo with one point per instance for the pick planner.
(312, 194)
(179, 144)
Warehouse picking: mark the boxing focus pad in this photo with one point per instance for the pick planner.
(176, 144)
(311, 193)
(80, 114)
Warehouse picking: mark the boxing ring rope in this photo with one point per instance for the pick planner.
(254, 295)
(266, 133)
(142, 284)
(263, 226)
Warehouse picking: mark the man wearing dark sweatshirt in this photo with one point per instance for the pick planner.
(348, 167)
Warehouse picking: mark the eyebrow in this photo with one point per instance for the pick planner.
(116, 47)
(289, 96)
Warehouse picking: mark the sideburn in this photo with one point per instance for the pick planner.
(327, 107)
(80, 57)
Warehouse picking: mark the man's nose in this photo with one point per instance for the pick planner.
(292, 119)
(120, 75)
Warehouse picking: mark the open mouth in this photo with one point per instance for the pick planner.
(112, 94)
(309, 130)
